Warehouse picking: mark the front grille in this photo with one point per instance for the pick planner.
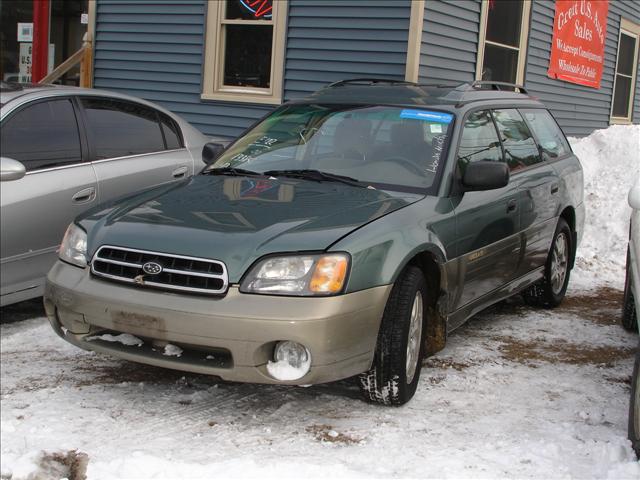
(186, 274)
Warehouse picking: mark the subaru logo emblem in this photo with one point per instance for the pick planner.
(152, 268)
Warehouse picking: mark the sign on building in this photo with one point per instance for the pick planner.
(577, 47)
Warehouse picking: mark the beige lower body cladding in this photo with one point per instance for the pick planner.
(231, 337)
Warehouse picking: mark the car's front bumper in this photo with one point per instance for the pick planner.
(231, 337)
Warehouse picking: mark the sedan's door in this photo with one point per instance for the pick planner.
(36, 209)
(488, 222)
(133, 146)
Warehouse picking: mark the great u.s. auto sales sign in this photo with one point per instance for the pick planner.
(577, 47)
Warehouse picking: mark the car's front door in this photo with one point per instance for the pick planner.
(133, 146)
(488, 242)
(37, 208)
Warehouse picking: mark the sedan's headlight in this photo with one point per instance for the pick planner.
(302, 275)
(73, 248)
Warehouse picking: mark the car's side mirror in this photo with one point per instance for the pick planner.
(485, 175)
(634, 197)
(11, 169)
(211, 151)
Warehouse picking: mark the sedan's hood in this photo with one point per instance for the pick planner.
(238, 219)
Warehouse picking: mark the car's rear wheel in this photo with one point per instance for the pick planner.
(629, 314)
(393, 377)
(550, 291)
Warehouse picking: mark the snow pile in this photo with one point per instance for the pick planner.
(123, 338)
(172, 350)
(283, 371)
(611, 162)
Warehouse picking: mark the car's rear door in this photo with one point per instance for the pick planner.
(133, 146)
(46, 137)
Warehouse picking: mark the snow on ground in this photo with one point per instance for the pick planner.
(517, 392)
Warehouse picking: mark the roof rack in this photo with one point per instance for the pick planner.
(478, 84)
(371, 81)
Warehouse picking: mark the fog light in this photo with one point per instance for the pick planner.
(292, 361)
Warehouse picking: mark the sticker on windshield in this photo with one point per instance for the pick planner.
(428, 116)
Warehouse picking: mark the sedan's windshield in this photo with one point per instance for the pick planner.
(381, 146)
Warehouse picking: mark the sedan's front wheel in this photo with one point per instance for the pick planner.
(629, 314)
(393, 377)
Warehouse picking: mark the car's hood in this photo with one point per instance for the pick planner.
(238, 219)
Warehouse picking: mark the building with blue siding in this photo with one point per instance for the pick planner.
(224, 64)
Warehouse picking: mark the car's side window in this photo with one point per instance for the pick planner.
(119, 128)
(42, 135)
(520, 148)
(551, 139)
(479, 141)
(171, 133)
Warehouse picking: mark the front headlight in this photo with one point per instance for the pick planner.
(301, 275)
(73, 248)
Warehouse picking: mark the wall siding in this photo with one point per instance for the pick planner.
(155, 50)
(330, 40)
(578, 109)
(449, 41)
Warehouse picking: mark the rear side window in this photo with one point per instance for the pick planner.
(171, 133)
(42, 135)
(551, 139)
(120, 129)
(520, 149)
(479, 141)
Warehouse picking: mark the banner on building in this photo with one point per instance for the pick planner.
(577, 47)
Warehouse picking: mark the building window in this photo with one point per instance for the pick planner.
(626, 68)
(244, 50)
(502, 46)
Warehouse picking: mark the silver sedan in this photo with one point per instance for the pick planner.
(66, 149)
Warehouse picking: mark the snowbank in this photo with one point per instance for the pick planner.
(611, 162)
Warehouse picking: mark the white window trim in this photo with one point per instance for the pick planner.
(414, 44)
(522, 48)
(212, 86)
(633, 30)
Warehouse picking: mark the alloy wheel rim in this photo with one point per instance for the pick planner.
(559, 263)
(415, 334)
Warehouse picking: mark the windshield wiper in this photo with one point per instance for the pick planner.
(316, 175)
(231, 171)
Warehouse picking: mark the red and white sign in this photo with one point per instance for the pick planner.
(577, 47)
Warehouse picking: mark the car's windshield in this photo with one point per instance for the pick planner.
(382, 146)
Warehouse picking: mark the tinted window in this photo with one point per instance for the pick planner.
(42, 135)
(171, 133)
(479, 140)
(552, 141)
(119, 129)
(520, 148)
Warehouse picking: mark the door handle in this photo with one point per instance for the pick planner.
(85, 195)
(179, 172)
(512, 205)
(554, 188)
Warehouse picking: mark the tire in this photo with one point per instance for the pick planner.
(549, 292)
(393, 377)
(629, 314)
(634, 407)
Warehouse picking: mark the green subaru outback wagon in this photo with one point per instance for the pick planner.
(346, 234)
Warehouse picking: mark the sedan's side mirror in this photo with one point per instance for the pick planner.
(211, 151)
(485, 175)
(634, 196)
(11, 169)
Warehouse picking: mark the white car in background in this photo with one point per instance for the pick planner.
(631, 302)
(630, 310)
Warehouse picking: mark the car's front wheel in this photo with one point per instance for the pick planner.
(634, 407)
(629, 314)
(550, 291)
(393, 377)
